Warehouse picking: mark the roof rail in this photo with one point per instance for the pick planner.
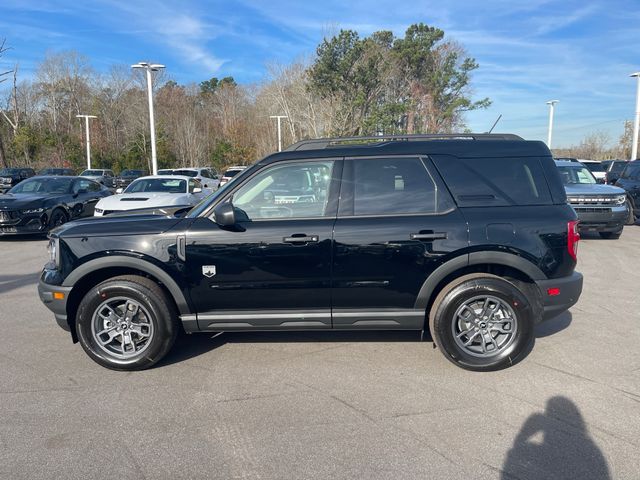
(321, 143)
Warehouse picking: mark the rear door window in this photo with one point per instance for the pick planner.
(478, 182)
(393, 186)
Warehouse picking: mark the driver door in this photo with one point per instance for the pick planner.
(272, 270)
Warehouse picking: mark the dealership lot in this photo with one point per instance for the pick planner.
(326, 405)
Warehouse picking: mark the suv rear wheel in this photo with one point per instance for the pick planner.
(126, 323)
(482, 322)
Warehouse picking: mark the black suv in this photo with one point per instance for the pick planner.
(10, 177)
(630, 181)
(468, 236)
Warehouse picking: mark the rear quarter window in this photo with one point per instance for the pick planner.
(477, 182)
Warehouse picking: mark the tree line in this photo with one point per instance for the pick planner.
(353, 85)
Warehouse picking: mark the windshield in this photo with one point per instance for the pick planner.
(186, 173)
(165, 172)
(618, 167)
(166, 185)
(131, 173)
(576, 175)
(43, 185)
(594, 166)
(9, 171)
(51, 171)
(92, 173)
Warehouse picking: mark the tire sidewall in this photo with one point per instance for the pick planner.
(502, 289)
(163, 327)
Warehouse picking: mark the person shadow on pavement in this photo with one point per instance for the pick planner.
(555, 445)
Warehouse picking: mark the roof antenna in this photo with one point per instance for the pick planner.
(495, 123)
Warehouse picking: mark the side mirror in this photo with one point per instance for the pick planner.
(120, 190)
(197, 190)
(224, 215)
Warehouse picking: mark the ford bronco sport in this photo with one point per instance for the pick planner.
(466, 236)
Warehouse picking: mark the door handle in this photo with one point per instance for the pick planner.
(428, 236)
(301, 238)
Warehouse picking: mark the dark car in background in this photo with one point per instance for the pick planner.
(127, 176)
(10, 177)
(60, 172)
(600, 208)
(104, 177)
(630, 181)
(613, 169)
(41, 203)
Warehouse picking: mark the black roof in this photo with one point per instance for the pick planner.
(461, 145)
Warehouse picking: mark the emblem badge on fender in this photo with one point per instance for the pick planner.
(208, 270)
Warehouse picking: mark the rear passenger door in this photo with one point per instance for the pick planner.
(396, 224)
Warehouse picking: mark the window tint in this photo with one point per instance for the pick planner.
(632, 172)
(617, 167)
(385, 186)
(292, 190)
(93, 187)
(194, 184)
(478, 182)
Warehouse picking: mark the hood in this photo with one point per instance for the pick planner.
(13, 201)
(135, 201)
(593, 189)
(109, 226)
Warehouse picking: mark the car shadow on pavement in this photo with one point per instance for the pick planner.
(190, 346)
(555, 444)
(554, 325)
(12, 282)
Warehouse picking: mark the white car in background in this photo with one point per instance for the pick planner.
(207, 176)
(230, 173)
(153, 192)
(596, 168)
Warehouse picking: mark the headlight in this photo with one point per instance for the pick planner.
(98, 210)
(32, 210)
(54, 252)
(620, 199)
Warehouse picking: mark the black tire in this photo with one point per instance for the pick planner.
(58, 217)
(156, 306)
(611, 235)
(631, 218)
(443, 320)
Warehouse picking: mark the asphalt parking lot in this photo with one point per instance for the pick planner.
(327, 405)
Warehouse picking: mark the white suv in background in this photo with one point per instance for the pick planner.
(206, 175)
(230, 173)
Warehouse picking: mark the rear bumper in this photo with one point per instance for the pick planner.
(57, 306)
(569, 288)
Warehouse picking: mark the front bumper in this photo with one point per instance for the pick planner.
(53, 302)
(569, 290)
(36, 224)
(602, 219)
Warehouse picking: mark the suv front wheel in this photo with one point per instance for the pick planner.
(126, 323)
(482, 322)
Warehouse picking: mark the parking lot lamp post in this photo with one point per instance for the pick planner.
(551, 104)
(279, 117)
(636, 125)
(151, 67)
(86, 127)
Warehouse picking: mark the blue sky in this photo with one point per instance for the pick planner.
(578, 52)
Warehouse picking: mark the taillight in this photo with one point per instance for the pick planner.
(573, 237)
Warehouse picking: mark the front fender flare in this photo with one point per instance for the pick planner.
(123, 261)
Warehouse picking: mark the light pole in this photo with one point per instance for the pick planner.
(279, 117)
(86, 127)
(636, 125)
(151, 67)
(551, 104)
